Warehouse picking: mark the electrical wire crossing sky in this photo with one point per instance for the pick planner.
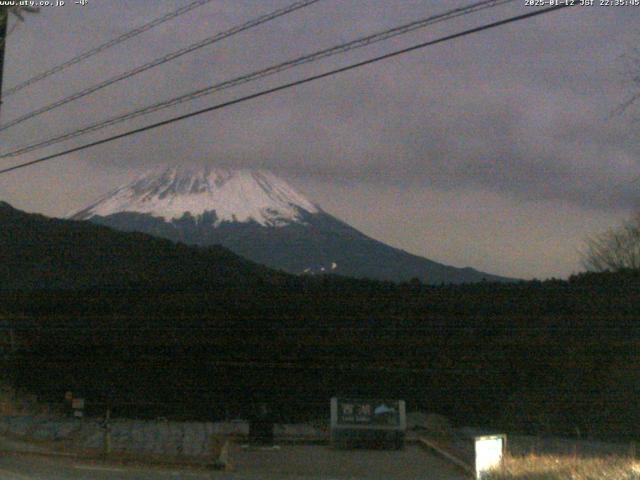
(501, 150)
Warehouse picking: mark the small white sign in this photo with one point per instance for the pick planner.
(489, 451)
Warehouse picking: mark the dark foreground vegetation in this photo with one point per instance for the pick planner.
(158, 329)
(555, 467)
(545, 357)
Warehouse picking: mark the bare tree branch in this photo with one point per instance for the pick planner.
(614, 250)
(632, 74)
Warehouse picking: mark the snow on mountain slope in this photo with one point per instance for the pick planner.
(234, 195)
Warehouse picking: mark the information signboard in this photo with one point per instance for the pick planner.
(369, 412)
(360, 422)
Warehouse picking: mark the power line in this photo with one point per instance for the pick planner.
(101, 48)
(162, 60)
(256, 75)
(292, 84)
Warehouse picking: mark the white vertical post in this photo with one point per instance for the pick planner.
(489, 450)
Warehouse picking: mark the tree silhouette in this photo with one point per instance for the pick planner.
(616, 249)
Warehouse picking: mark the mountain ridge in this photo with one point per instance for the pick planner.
(273, 224)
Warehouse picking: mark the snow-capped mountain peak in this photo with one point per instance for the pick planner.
(240, 210)
(235, 195)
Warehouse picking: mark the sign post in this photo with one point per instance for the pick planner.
(77, 404)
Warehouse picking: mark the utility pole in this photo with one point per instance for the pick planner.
(4, 20)
(4, 32)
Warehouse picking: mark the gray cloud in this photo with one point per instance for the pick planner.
(522, 112)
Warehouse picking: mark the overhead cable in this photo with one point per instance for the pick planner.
(101, 48)
(290, 85)
(259, 74)
(160, 61)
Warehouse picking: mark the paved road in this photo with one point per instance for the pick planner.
(31, 467)
(321, 462)
(288, 463)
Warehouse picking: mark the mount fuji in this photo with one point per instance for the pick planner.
(261, 217)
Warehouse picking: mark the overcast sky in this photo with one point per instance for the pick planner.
(499, 150)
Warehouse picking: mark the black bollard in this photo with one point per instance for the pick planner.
(261, 426)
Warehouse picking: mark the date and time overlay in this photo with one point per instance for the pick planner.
(526, 3)
(582, 3)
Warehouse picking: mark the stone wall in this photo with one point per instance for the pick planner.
(158, 438)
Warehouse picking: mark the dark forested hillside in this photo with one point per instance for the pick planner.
(43, 253)
(548, 357)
